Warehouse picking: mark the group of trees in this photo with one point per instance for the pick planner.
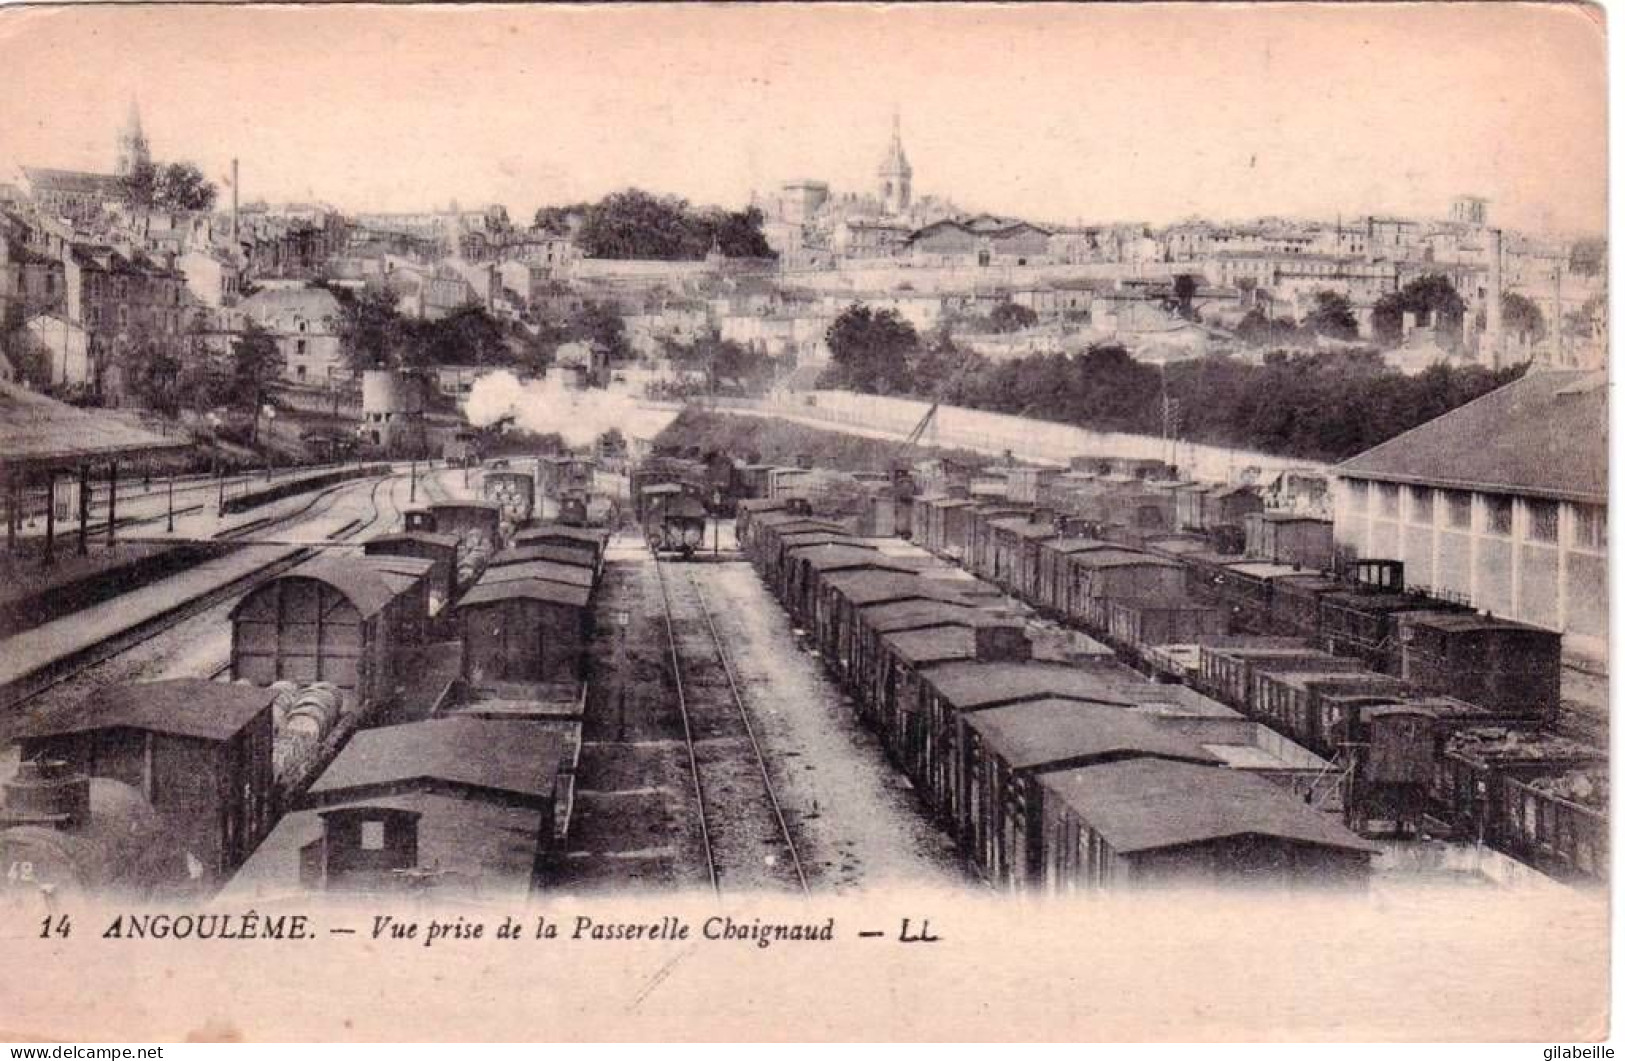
(1322, 405)
(1431, 298)
(172, 186)
(373, 333)
(729, 367)
(636, 224)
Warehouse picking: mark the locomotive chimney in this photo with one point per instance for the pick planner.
(47, 791)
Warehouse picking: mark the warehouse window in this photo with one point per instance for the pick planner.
(1388, 500)
(1498, 514)
(1458, 510)
(1542, 520)
(1590, 527)
(1421, 505)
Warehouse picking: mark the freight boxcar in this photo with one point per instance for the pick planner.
(524, 630)
(1009, 749)
(439, 549)
(1366, 624)
(477, 526)
(1290, 538)
(344, 620)
(1484, 660)
(1157, 822)
(513, 492)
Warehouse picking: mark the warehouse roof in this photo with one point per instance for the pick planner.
(1543, 436)
(1146, 804)
(41, 432)
(1060, 733)
(183, 707)
(513, 761)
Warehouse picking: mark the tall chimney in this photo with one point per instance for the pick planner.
(235, 182)
(1492, 310)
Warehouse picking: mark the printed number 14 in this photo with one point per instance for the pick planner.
(55, 926)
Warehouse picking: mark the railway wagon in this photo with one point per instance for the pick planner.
(581, 555)
(1365, 623)
(1053, 592)
(1016, 544)
(662, 470)
(1151, 823)
(1500, 664)
(1508, 786)
(1227, 506)
(955, 539)
(1101, 575)
(345, 620)
(513, 491)
(477, 526)
(806, 564)
(850, 600)
(439, 549)
(767, 543)
(1222, 667)
(65, 835)
(983, 529)
(198, 752)
(1251, 592)
(1009, 749)
(525, 629)
(1138, 624)
(679, 528)
(1290, 538)
(880, 675)
(593, 539)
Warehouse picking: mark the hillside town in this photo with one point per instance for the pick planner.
(135, 288)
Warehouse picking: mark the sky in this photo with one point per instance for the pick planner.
(1092, 113)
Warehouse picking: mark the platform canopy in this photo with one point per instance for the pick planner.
(39, 434)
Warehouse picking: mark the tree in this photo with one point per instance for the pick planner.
(182, 186)
(1009, 316)
(175, 186)
(636, 224)
(870, 351)
(1185, 295)
(600, 326)
(1521, 317)
(468, 335)
(1431, 298)
(256, 360)
(372, 333)
(1333, 316)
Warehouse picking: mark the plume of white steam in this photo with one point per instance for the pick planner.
(547, 405)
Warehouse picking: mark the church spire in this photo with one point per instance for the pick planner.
(132, 142)
(896, 175)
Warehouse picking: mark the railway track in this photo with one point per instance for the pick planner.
(74, 666)
(746, 839)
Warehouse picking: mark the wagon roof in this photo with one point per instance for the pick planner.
(1068, 732)
(862, 587)
(442, 541)
(517, 758)
(541, 570)
(526, 589)
(1078, 545)
(484, 506)
(360, 580)
(1174, 544)
(937, 644)
(970, 686)
(1343, 682)
(183, 707)
(1146, 804)
(918, 614)
(543, 531)
(1366, 600)
(1120, 558)
(1266, 569)
(835, 556)
(797, 539)
(576, 554)
(1461, 622)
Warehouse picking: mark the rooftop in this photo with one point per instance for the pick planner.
(516, 762)
(1146, 804)
(183, 707)
(1067, 733)
(1542, 436)
(42, 432)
